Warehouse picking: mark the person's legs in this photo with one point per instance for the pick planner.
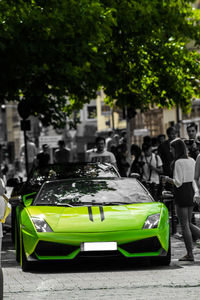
(194, 229)
(183, 215)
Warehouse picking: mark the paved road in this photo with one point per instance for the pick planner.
(102, 280)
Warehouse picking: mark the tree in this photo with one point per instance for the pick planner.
(58, 52)
(149, 61)
(48, 54)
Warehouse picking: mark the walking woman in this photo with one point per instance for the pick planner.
(185, 192)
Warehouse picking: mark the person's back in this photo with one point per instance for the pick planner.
(135, 153)
(62, 155)
(165, 153)
(31, 151)
(122, 160)
(43, 157)
(31, 154)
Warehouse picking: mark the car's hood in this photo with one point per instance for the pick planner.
(95, 218)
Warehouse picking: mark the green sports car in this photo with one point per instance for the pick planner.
(70, 219)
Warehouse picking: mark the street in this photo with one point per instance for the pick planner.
(108, 280)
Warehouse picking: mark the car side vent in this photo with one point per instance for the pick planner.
(146, 245)
(54, 249)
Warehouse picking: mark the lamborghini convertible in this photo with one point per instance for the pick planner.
(85, 217)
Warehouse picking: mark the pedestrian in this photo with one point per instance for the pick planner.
(150, 165)
(161, 139)
(62, 154)
(197, 180)
(43, 157)
(135, 153)
(100, 154)
(150, 170)
(154, 143)
(115, 144)
(197, 171)
(185, 192)
(109, 140)
(31, 153)
(123, 137)
(165, 153)
(193, 147)
(147, 139)
(192, 144)
(122, 160)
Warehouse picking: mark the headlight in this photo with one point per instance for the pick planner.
(152, 221)
(41, 225)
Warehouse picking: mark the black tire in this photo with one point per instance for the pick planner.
(13, 223)
(25, 264)
(162, 260)
(17, 244)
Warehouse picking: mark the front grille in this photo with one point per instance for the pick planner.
(147, 245)
(54, 249)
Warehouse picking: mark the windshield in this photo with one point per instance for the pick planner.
(92, 192)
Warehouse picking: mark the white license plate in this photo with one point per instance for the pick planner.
(99, 246)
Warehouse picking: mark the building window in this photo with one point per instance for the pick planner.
(122, 114)
(91, 112)
(105, 109)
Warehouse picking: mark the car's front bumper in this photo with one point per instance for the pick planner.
(130, 243)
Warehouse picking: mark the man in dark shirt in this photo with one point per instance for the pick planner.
(164, 151)
(62, 155)
(43, 157)
(192, 143)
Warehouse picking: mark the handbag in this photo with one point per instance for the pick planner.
(7, 208)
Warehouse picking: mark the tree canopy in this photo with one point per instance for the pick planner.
(55, 55)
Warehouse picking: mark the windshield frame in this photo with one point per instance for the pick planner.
(115, 196)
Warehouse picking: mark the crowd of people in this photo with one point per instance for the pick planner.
(43, 157)
(162, 160)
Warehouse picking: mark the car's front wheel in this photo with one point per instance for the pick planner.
(25, 264)
(17, 243)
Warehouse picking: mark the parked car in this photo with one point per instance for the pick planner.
(76, 218)
(54, 171)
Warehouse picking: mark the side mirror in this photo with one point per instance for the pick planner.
(28, 199)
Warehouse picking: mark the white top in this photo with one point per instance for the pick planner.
(184, 172)
(31, 151)
(103, 157)
(109, 142)
(151, 175)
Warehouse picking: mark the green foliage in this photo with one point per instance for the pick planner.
(63, 51)
(49, 54)
(149, 61)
